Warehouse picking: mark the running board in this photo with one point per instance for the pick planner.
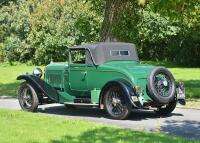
(81, 104)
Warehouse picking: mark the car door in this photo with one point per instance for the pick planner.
(78, 72)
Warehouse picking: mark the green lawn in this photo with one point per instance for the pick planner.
(191, 77)
(23, 127)
(8, 75)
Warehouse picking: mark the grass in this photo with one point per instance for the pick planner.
(8, 75)
(23, 127)
(192, 103)
(191, 77)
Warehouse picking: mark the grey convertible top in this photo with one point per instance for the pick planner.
(108, 51)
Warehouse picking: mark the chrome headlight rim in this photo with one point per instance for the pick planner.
(37, 72)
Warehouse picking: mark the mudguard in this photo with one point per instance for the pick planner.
(41, 86)
(127, 88)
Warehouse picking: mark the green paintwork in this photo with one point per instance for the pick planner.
(80, 80)
(95, 96)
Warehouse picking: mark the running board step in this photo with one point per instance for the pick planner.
(82, 100)
(81, 104)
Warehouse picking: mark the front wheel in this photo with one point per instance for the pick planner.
(116, 104)
(27, 97)
(168, 109)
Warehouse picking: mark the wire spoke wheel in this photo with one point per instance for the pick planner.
(162, 84)
(116, 103)
(27, 97)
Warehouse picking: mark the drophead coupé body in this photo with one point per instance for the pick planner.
(104, 75)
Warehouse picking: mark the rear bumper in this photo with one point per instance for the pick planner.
(180, 93)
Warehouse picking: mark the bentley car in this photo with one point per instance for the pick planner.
(105, 75)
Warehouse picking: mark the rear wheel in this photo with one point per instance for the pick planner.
(27, 97)
(167, 109)
(116, 104)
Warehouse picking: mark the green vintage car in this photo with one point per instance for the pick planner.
(104, 75)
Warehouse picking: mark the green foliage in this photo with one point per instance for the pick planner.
(162, 31)
(2, 54)
(43, 30)
(186, 41)
(39, 31)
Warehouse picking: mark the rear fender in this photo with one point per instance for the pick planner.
(127, 88)
(41, 86)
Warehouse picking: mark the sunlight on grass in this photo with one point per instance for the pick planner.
(23, 127)
(191, 78)
(8, 75)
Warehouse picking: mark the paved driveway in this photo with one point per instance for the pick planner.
(183, 122)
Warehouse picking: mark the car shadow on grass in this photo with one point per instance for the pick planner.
(136, 115)
(113, 135)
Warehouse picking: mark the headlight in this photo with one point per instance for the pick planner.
(37, 72)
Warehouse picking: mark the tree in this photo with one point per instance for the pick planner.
(38, 30)
(111, 15)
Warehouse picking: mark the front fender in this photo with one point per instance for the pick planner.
(41, 85)
(127, 88)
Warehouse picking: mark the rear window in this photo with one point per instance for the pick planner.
(119, 53)
(124, 53)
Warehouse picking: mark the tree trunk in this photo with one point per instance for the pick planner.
(111, 14)
(111, 10)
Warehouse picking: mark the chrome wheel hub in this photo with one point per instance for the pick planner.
(115, 101)
(26, 98)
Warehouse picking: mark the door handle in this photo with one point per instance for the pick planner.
(84, 75)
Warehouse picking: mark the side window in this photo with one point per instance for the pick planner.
(114, 53)
(78, 56)
(119, 53)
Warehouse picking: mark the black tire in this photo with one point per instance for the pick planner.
(115, 99)
(27, 97)
(156, 85)
(168, 109)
